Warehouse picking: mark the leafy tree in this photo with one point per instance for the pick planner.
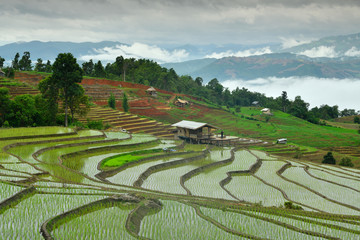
(356, 119)
(99, 70)
(329, 159)
(66, 76)
(112, 101)
(40, 66)
(15, 62)
(2, 60)
(299, 108)
(199, 81)
(4, 103)
(24, 110)
(88, 68)
(25, 62)
(9, 72)
(78, 101)
(48, 67)
(346, 162)
(284, 101)
(50, 91)
(125, 103)
(347, 112)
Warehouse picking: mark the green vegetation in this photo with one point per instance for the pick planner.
(119, 160)
(112, 101)
(329, 158)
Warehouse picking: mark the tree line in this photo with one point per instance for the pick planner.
(61, 89)
(150, 73)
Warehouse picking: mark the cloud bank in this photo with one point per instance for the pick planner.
(137, 50)
(316, 91)
(322, 51)
(245, 53)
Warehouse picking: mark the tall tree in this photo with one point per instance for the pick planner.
(4, 103)
(99, 70)
(48, 67)
(112, 101)
(66, 75)
(88, 68)
(50, 91)
(40, 66)
(125, 103)
(2, 60)
(15, 62)
(78, 101)
(25, 62)
(284, 100)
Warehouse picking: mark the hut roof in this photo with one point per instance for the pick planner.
(182, 101)
(151, 89)
(265, 110)
(192, 125)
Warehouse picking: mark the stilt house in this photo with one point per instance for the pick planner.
(194, 131)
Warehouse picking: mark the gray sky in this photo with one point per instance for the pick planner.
(175, 21)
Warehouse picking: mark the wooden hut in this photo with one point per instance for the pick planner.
(152, 92)
(266, 111)
(194, 131)
(181, 103)
(2, 74)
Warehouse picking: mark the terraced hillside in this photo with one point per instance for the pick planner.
(129, 122)
(17, 88)
(57, 183)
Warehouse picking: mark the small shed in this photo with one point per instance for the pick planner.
(281, 141)
(255, 103)
(152, 92)
(266, 111)
(181, 103)
(2, 74)
(194, 130)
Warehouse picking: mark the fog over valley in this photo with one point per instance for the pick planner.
(315, 91)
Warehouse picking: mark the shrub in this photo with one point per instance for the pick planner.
(329, 159)
(356, 119)
(290, 205)
(6, 124)
(112, 101)
(237, 109)
(346, 162)
(98, 125)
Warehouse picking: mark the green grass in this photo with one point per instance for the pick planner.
(120, 160)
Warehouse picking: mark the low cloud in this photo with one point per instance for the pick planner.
(292, 42)
(352, 52)
(137, 50)
(245, 53)
(322, 51)
(316, 91)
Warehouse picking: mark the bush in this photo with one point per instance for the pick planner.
(112, 101)
(98, 125)
(346, 162)
(6, 124)
(290, 205)
(329, 159)
(356, 119)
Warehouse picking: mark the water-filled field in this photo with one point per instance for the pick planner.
(55, 185)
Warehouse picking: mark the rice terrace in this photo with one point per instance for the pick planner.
(135, 180)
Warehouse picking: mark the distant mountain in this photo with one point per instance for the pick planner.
(188, 67)
(335, 46)
(50, 50)
(273, 65)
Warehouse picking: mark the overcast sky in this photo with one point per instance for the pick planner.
(177, 22)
